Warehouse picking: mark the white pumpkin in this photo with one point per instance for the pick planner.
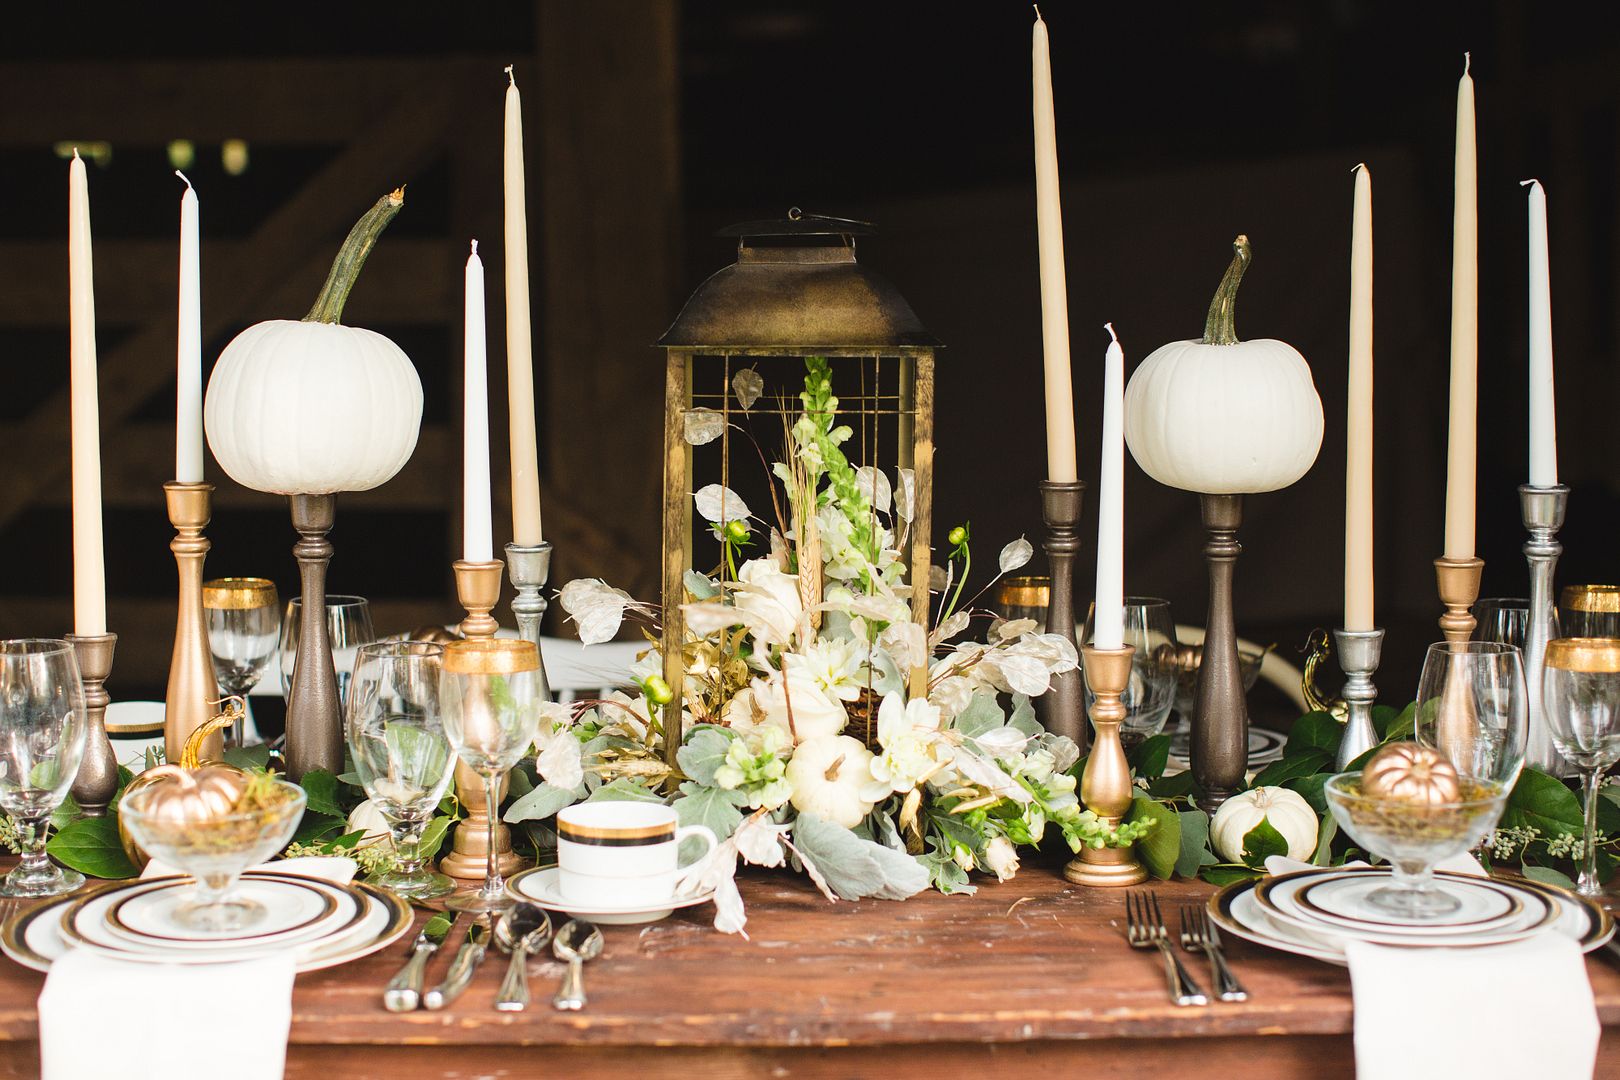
(1286, 810)
(1221, 416)
(366, 816)
(314, 407)
(827, 774)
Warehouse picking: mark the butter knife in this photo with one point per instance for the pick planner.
(404, 991)
(462, 967)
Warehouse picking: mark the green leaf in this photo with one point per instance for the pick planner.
(855, 868)
(1195, 852)
(1314, 731)
(1292, 767)
(1541, 802)
(439, 925)
(249, 757)
(1323, 855)
(1160, 849)
(347, 841)
(624, 790)
(1175, 786)
(981, 715)
(1548, 876)
(1310, 789)
(316, 827)
(713, 807)
(542, 802)
(1402, 726)
(433, 836)
(1261, 842)
(1227, 873)
(65, 814)
(1149, 757)
(703, 752)
(91, 845)
(1383, 717)
(321, 789)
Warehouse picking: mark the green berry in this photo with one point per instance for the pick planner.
(956, 537)
(658, 691)
(736, 531)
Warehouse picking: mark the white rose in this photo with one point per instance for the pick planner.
(366, 816)
(813, 713)
(771, 599)
(1001, 858)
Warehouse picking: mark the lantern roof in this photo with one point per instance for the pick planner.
(796, 285)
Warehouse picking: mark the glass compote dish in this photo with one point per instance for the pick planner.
(42, 737)
(404, 760)
(213, 843)
(348, 626)
(1152, 687)
(1470, 728)
(1580, 688)
(243, 628)
(490, 691)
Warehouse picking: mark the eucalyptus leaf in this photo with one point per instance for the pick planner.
(855, 868)
(1262, 842)
(92, 846)
(1195, 853)
(699, 585)
(1548, 876)
(1160, 849)
(542, 802)
(703, 752)
(624, 790)
(1023, 716)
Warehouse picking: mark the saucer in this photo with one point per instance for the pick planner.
(294, 910)
(540, 886)
(1334, 904)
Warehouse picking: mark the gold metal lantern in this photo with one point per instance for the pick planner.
(738, 349)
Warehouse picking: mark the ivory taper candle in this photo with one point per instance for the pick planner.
(89, 573)
(519, 343)
(1060, 457)
(1358, 472)
(1461, 442)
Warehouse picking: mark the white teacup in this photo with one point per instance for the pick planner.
(618, 854)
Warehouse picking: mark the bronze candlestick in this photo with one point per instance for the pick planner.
(1105, 786)
(529, 567)
(1458, 582)
(478, 588)
(97, 779)
(314, 717)
(1060, 707)
(192, 685)
(1220, 729)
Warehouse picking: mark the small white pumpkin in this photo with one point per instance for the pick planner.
(1221, 416)
(1286, 810)
(827, 774)
(368, 817)
(314, 407)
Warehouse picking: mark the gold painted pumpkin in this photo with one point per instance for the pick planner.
(192, 791)
(1411, 773)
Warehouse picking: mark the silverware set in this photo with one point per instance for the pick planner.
(521, 932)
(1145, 929)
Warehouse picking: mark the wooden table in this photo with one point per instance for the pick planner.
(1027, 975)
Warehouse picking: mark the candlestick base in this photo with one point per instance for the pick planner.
(529, 567)
(314, 714)
(1542, 509)
(1105, 786)
(478, 588)
(97, 780)
(1060, 709)
(1220, 729)
(1359, 654)
(193, 689)
(1458, 581)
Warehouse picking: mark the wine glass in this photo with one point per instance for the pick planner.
(42, 737)
(1504, 619)
(1580, 688)
(1024, 597)
(1152, 687)
(404, 760)
(1590, 611)
(242, 633)
(1472, 707)
(348, 626)
(490, 691)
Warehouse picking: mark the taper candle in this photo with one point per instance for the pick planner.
(1060, 457)
(1108, 618)
(1460, 447)
(1358, 470)
(477, 543)
(1543, 412)
(188, 399)
(89, 573)
(519, 347)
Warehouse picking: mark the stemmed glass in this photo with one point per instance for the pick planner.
(1504, 619)
(1580, 688)
(1472, 706)
(404, 760)
(42, 736)
(242, 632)
(490, 692)
(1152, 688)
(348, 626)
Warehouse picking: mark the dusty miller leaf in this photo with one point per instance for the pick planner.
(702, 753)
(855, 868)
(719, 504)
(703, 426)
(714, 808)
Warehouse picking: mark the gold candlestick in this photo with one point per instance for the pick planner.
(97, 779)
(1105, 786)
(192, 686)
(1458, 581)
(478, 588)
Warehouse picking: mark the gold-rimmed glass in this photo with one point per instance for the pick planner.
(1580, 687)
(490, 695)
(243, 626)
(1589, 611)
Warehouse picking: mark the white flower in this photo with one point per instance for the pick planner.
(771, 599)
(1001, 858)
(794, 703)
(913, 747)
(559, 761)
(835, 665)
(963, 855)
(368, 817)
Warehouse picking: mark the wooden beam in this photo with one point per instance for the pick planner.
(388, 153)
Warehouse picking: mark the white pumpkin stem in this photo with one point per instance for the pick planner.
(352, 256)
(1220, 326)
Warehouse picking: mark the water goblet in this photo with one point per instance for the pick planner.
(1152, 687)
(348, 626)
(1472, 706)
(1580, 688)
(243, 627)
(1504, 619)
(405, 763)
(42, 736)
(490, 692)
(1590, 611)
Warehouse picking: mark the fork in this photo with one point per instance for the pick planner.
(1198, 934)
(1145, 929)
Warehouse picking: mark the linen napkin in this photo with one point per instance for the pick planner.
(100, 1016)
(1519, 1009)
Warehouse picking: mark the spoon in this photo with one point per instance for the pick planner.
(577, 942)
(522, 930)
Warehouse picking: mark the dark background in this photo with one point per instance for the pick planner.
(649, 125)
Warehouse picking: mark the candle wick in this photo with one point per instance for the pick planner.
(1527, 183)
(1110, 328)
(511, 77)
(186, 178)
(1468, 60)
(1360, 167)
(1037, 8)
(75, 153)
(475, 247)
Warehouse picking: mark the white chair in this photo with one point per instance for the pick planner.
(576, 669)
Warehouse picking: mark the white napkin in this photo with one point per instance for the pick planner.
(1520, 1009)
(100, 1015)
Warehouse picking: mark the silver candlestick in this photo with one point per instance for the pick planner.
(1359, 653)
(529, 567)
(1543, 511)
